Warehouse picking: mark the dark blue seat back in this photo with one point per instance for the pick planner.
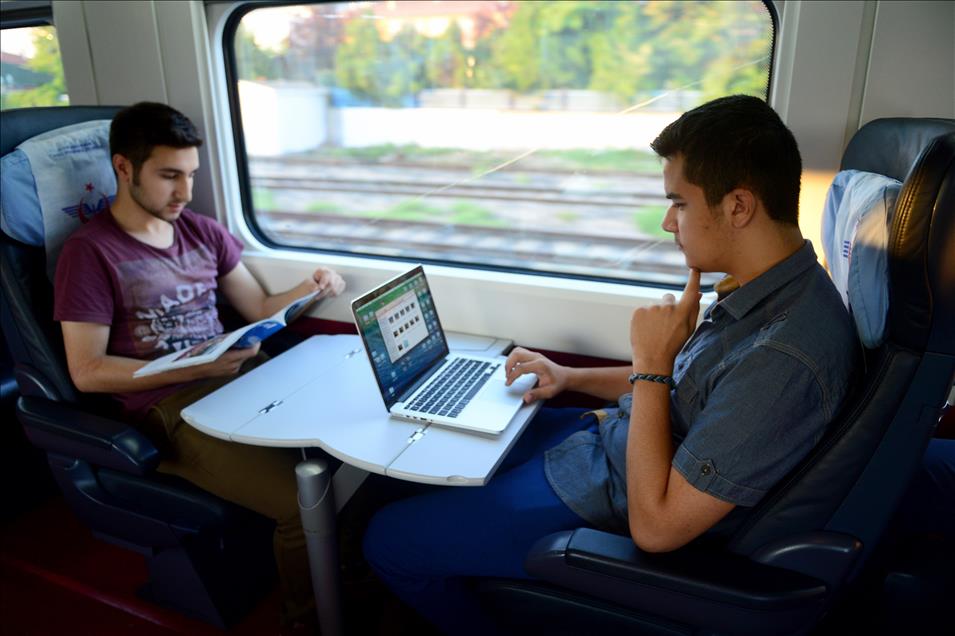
(852, 482)
(34, 340)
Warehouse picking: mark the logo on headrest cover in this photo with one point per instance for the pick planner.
(84, 211)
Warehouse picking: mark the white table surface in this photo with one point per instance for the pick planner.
(326, 396)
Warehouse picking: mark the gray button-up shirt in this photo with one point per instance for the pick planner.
(756, 385)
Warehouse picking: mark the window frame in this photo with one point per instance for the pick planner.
(26, 14)
(227, 48)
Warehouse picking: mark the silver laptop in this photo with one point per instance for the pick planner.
(418, 377)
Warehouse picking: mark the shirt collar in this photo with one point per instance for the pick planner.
(739, 303)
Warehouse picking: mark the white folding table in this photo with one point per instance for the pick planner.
(322, 393)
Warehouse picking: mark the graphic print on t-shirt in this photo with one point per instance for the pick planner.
(172, 301)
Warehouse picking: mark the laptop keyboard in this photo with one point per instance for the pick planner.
(453, 389)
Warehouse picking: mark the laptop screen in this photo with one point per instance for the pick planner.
(401, 331)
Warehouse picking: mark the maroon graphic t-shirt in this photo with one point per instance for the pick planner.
(155, 300)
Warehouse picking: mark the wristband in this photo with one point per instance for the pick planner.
(650, 377)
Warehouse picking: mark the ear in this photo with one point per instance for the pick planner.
(739, 207)
(123, 168)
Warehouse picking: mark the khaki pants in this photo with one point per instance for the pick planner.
(254, 477)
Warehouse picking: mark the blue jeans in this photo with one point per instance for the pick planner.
(422, 547)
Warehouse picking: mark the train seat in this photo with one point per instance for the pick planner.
(206, 557)
(800, 550)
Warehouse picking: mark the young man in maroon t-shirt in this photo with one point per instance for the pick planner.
(139, 281)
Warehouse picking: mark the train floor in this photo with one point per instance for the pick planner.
(57, 578)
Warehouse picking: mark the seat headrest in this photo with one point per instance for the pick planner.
(855, 231)
(892, 145)
(54, 182)
(921, 237)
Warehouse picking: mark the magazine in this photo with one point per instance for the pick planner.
(247, 336)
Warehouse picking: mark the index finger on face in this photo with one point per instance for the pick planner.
(691, 293)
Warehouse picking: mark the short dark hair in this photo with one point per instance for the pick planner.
(139, 128)
(737, 141)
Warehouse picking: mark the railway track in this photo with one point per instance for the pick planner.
(593, 246)
(431, 188)
(464, 168)
(554, 251)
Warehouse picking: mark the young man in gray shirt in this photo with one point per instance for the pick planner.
(708, 417)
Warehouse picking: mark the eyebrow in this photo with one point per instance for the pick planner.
(673, 195)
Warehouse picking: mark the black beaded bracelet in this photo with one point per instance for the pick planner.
(650, 377)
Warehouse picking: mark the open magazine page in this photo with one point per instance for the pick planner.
(247, 336)
(259, 331)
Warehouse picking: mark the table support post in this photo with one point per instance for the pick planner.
(316, 503)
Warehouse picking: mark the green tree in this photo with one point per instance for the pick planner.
(621, 56)
(254, 63)
(622, 48)
(743, 67)
(445, 63)
(708, 46)
(357, 56)
(313, 39)
(547, 45)
(47, 61)
(402, 76)
(514, 59)
(385, 72)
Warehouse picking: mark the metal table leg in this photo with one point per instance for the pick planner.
(316, 503)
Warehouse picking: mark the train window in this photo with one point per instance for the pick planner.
(501, 134)
(31, 70)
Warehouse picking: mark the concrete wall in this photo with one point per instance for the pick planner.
(284, 118)
(497, 129)
(280, 119)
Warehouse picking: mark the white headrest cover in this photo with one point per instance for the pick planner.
(855, 232)
(56, 181)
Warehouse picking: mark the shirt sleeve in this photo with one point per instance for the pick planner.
(763, 415)
(82, 285)
(228, 247)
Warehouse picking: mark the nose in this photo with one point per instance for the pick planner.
(184, 189)
(669, 220)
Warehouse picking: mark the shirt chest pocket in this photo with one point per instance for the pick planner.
(686, 398)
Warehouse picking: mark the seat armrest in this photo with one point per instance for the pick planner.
(64, 429)
(710, 585)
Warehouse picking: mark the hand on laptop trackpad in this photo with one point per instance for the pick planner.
(522, 384)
